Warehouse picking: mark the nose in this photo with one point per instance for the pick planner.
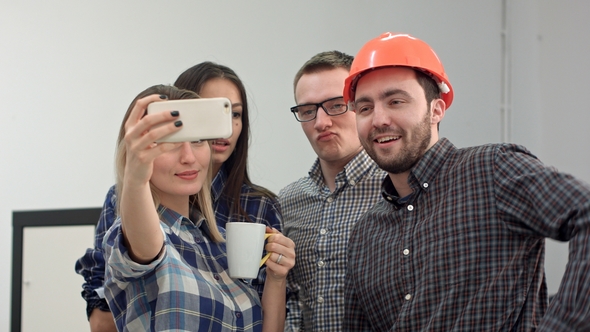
(322, 120)
(380, 116)
(187, 155)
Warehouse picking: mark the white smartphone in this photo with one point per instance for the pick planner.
(203, 118)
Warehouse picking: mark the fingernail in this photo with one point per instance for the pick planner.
(178, 123)
(174, 113)
(163, 97)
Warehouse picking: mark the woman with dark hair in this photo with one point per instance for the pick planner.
(230, 156)
(235, 197)
(167, 265)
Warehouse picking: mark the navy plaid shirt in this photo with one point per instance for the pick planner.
(465, 251)
(92, 265)
(319, 222)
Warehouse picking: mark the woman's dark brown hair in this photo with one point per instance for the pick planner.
(236, 165)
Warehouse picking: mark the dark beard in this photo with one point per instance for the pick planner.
(410, 154)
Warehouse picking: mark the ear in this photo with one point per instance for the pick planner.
(438, 108)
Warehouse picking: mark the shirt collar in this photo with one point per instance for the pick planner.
(174, 220)
(315, 172)
(218, 183)
(430, 165)
(423, 174)
(352, 173)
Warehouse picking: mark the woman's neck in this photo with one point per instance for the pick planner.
(216, 168)
(177, 203)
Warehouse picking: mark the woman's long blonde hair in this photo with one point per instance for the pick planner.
(201, 200)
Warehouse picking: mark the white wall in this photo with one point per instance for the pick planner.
(68, 70)
(564, 73)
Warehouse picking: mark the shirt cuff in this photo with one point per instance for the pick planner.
(93, 304)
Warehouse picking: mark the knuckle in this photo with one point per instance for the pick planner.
(152, 136)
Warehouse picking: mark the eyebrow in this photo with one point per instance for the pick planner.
(391, 92)
(321, 102)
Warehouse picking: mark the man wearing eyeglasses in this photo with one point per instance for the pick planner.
(320, 209)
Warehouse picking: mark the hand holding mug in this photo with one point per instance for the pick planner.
(282, 254)
(245, 242)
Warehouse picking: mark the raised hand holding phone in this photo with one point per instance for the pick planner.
(140, 220)
(140, 134)
(202, 119)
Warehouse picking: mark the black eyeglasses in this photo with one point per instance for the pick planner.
(308, 112)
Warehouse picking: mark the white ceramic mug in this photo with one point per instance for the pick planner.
(244, 243)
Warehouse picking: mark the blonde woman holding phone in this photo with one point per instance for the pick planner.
(166, 260)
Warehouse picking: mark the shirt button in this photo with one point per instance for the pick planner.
(323, 231)
(352, 182)
(216, 276)
(425, 185)
(388, 198)
(408, 297)
(406, 252)
(320, 263)
(320, 299)
(410, 207)
(330, 199)
(238, 314)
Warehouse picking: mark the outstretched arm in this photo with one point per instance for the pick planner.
(538, 200)
(139, 218)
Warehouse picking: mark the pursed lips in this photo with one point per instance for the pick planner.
(326, 136)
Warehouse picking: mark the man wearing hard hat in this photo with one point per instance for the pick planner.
(458, 242)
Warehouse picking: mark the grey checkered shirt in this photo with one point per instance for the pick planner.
(319, 222)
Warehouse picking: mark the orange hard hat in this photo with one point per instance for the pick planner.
(398, 50)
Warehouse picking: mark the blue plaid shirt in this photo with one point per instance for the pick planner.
(187, 288)
(319, 222)
(465, 251)
(260, 209)
(91, 266)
